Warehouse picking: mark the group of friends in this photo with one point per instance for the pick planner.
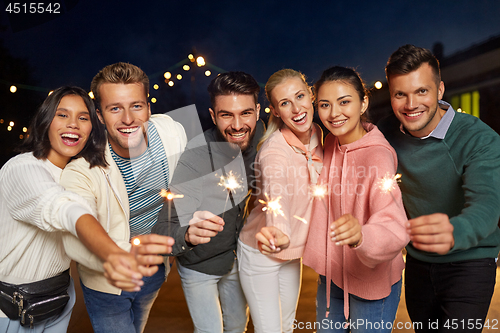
(88, 178)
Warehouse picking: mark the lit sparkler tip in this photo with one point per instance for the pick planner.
(389, 182)
(230, 182)
(136, 241)
(169, 195)
(319, 191)
(272, 206)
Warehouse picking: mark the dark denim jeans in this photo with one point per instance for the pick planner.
(125, 313)
(364, 315)
(452, 297)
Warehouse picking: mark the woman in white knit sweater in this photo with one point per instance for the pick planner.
(35, 210)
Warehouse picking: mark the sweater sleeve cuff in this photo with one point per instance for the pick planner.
(73, 212)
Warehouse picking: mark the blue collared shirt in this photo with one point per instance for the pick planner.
(444, 124)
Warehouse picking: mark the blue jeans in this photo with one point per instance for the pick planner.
(449, 297)
(216, 303)
(364, 315)
(125, 313)
(52, 325)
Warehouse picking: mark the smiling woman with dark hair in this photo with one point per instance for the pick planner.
(35, 286)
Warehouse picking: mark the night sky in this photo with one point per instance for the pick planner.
(259, 37)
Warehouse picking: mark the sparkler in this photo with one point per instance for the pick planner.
(300, 219)
(274, 207)
(230, 183)
(135, 243)
(389, 183)
(319, 191)
(169, 196)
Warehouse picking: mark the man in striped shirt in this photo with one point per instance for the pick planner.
(142, 152)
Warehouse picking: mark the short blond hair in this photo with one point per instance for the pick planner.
(121, 72)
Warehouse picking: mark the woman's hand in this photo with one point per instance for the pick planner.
(272, 240)
(346, 231)
(125, 270)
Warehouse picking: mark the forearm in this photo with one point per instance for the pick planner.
(94, 237)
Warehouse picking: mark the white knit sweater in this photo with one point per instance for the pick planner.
(34, 209)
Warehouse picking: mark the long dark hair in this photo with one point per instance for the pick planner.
(37, 140)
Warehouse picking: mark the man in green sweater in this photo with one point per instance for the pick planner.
(450, 166)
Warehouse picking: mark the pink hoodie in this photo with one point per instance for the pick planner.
(353, 173)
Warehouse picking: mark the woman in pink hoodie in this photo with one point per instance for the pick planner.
(358, 232)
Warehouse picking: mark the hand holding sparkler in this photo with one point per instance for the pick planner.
(431, 233)
(125, 270)
(272, 240)
(346, 231)
(202, 227)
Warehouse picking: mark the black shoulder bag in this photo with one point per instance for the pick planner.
(36, 301)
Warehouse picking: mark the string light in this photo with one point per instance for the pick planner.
(199, 60)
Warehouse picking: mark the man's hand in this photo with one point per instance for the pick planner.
(431, 233)
(272, 240)
(125, 270)
(346, 231)
(202, 227)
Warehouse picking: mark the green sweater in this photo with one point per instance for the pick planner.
(458, 176)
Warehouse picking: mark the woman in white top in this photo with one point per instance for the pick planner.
(35, 210)
(288, 162)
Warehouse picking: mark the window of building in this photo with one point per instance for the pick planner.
(467, 103)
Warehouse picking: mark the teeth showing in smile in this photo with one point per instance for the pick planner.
(128, 130)
(299, 118)
(414, 114)
(238, 135)
(339, 122)
(70, 136)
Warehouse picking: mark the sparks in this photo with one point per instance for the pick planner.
(272, 206)
(300, 219)
(319, 191)
(389, 182)
(169, 195)
(136, 241)
(230, 182)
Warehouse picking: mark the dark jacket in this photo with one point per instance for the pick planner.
(197, 176)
